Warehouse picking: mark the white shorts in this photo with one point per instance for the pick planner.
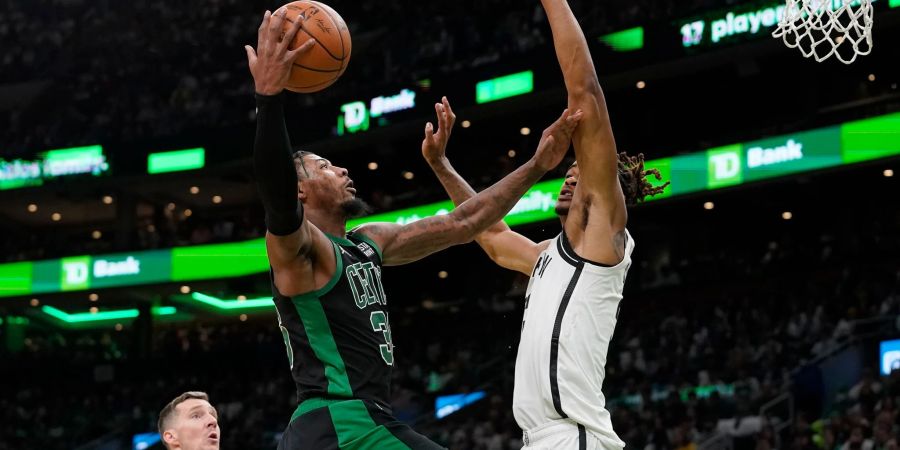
(563, 434)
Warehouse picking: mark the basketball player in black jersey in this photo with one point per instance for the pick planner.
(332, 309)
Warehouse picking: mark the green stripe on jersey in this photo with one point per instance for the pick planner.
(340, 240)
(357, 431)
(338, 273)
(309, 307)
(312, 404)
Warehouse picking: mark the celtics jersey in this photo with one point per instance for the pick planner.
(338, 338)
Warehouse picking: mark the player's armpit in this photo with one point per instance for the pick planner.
(298, 257)
(283, 250)
(511, 250)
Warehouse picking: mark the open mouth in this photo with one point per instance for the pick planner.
(350, 187)
(213, 436)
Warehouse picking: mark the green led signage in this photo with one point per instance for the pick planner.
(715, 168)
(852, 142)
(537, 204)
(79, 273)
(355, 116)
(626, 40)
(232, 305)
(504, 87)
(742, 21)
(52, 164)
(869, 139)
(206, 262)
(15, 278)
(176, 161)
(103, 318)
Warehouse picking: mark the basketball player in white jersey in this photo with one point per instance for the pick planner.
(572, 301)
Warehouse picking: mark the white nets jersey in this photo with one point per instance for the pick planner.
(571, 307)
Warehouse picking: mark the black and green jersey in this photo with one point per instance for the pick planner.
(338, 337)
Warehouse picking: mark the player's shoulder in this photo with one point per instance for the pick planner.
(544, 245)
(376, 229)
(368, 234)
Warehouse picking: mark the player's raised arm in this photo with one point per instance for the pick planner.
(595, 147)
(598, 214)
(402, 244)
(288, 234)
(505, 247)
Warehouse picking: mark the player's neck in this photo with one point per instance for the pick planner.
(328, 222)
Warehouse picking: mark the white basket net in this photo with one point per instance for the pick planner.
(822, 28)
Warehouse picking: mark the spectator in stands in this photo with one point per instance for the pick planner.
(189, 422)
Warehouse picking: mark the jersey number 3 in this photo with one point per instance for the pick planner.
(380, 324)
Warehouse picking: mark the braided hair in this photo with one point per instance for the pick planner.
(299, 165)
(633, 179)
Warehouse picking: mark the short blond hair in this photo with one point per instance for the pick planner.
(169, 409)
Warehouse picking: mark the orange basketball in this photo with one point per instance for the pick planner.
(326, 61)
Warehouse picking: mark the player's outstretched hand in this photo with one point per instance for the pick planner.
(555, 140)
(271, 62)
(435, 143)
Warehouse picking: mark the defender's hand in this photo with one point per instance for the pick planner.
(435, 143)
(555, 141)
(271, 62)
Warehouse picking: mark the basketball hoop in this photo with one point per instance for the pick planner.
(822, 28)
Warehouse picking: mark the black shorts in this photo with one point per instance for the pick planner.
(320, 424)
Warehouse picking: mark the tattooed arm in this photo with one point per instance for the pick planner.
(402, 244)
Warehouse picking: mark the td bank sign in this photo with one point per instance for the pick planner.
(735, 164)
(355, 115)
(84, 272)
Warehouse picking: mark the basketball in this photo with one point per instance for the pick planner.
(321, 66)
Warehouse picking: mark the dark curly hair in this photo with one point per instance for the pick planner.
(633, 179)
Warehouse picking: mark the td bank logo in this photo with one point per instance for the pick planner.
(77, 272)
(724, 167)
(355, 115)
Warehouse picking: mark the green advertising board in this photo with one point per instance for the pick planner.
(176, 161)
(628, 40)
(710, 169)
(869, 139)
(504, 87)
(203, 262)
(15, 279)
(80, 273)
(51, 164)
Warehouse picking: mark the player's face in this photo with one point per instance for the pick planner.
(196, 425)
(564, 199)
(327, 183)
